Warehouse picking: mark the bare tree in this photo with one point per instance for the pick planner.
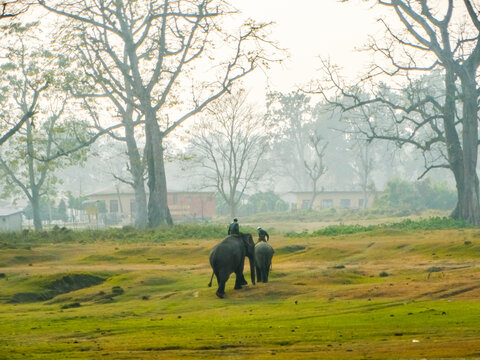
(13, 8)
(228, 143)
(290, 116)
(443, 120)
(363, 167)
(315, 166)
(150, 48)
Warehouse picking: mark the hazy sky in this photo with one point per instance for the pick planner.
(310, 29)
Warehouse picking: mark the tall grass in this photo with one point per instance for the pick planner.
(433, 223)
(162, 234)
(125, 234)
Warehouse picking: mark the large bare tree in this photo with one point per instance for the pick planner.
(150, 49)
(230, 141)
(425, 37)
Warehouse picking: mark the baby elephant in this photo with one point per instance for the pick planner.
(263, 260)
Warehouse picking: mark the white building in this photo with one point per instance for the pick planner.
(10, 219)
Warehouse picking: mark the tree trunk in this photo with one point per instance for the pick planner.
(233, 207)
(468, 207)
(136, 169)
(34, 196)
(365, 196)
(141, 216)
(314, 195)
(35, 202)
(452, 141)
(158, 212)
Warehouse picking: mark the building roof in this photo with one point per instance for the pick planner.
(7, 211)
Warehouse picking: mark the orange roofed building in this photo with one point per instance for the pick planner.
(117, 205)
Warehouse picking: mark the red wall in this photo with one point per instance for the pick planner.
(191, 205)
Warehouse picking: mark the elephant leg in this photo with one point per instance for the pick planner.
(239, 273)
(239, 278)
(222, 279)
(259, 274)
(242, 279)
(239, 281)
(267, 271)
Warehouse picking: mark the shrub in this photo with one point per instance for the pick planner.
(414, 196)
(433, 223)
(71, 305)
(125, 234)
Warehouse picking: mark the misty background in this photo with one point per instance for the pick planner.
(251, 112)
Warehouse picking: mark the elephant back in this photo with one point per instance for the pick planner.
(264, 248)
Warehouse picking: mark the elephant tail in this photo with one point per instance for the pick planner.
(211, 279)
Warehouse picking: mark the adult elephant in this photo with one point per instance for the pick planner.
(228, 257)
(263, 260)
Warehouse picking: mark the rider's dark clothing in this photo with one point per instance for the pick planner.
(234, 229)
(263, 235)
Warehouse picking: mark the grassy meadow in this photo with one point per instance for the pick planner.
(382, 293)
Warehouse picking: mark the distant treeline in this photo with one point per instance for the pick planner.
(400, 198)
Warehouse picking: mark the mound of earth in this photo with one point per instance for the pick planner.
(59, 286)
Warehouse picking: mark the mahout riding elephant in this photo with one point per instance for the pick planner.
(263, 260)
(228, 257)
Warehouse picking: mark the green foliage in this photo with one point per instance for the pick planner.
(401, 194)
(75, 202)
(48, 211)
(263, 202)
(34, 78)
(62, 211)
(259, 203)
(433, 223)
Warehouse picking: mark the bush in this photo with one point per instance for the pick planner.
(125, 234)
(262, 202)
(433, 223)
(420, 195)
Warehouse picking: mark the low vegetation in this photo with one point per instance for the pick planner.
(120, 235)
(408, 291)
(434, 223)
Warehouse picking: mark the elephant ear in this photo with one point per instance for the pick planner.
(247, 240)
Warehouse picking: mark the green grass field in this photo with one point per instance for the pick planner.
(380, 294)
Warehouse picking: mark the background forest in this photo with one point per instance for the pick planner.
(158, 96)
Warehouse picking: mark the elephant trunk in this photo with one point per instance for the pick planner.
(252, 268)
